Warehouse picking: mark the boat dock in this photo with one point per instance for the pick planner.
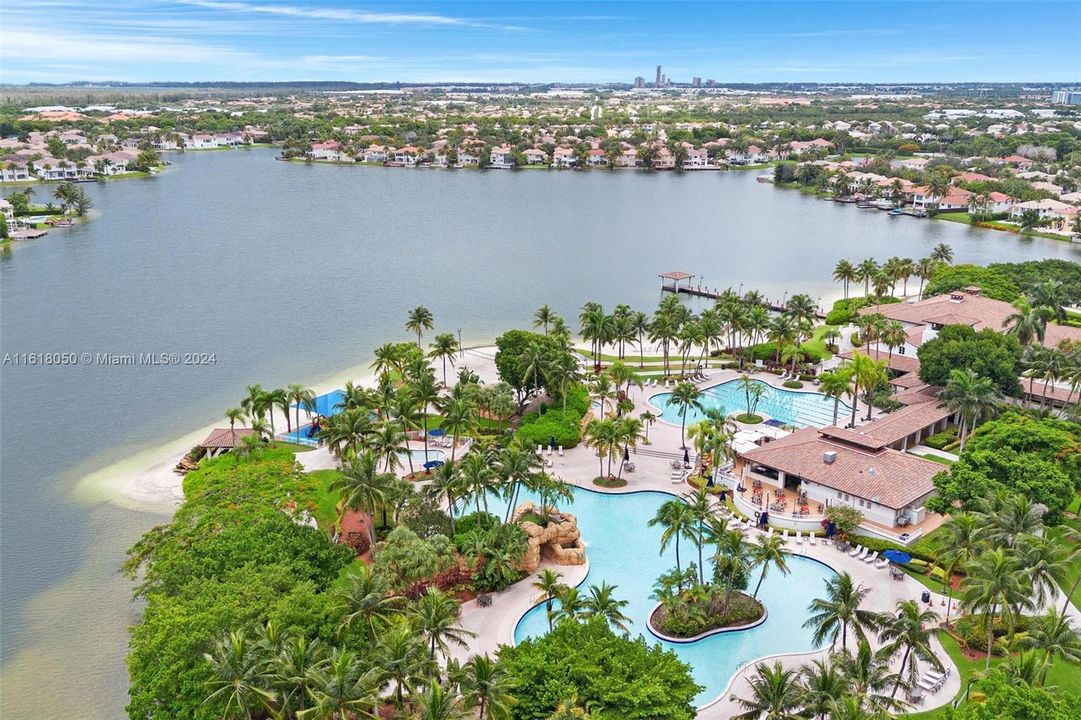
(28, 234)
(673, 282)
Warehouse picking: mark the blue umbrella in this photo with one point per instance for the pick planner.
(897, 556)
(437, 432)
(432, 464)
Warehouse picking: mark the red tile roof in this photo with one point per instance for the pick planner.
(886, 477)
(890, 428)
(225, 438)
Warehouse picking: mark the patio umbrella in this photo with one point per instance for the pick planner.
(552, 442)
(686, 455)
(626, 455)
(437, 432)
(432, 464)
(897, 556)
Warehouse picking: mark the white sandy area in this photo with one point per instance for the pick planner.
(146, 480)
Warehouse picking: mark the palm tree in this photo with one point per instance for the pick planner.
(867, 373)
(547, 583)
(341, 687)
(237, 677)
(677, 521)
(601, 604)
(1027, 323)
(894, 336)
(867, 270)
(299, 396)
(1047, 563)
(972, 397)
(962, 542)
(435, 615)
(995, 584)
(685, 396)
(821, 683)
(361, 487)
(426, 393)
(459, 416)
(232, 415)
(292, 670)
(639, 325)
(835, 384)
(404, 658)
(388, 357)
(366, 602)
(389, 442)
(487, 688)
(775, 694)
(831, 616)
(869, 677)
(1053, 295)
(1054, 636)
(925, 268)
(419, 319)
(444, 346)
(535, 363)
(570, 605)
(768, 552)
(543, 317)
(845, 273)
(439, 703)
(909, 630)
(446, 484)
(942, 253)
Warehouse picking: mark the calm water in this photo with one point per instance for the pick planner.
(792, 407)
(289, 273)
(623, 551)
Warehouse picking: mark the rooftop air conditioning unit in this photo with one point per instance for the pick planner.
(829, 457)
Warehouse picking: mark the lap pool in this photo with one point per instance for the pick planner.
(623, 551)
(792, 407)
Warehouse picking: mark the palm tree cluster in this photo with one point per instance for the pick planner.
(383, 657)
(1054, 366)
(258, 406)
(72, 197)
(1010, 567)
(567, 604)
(883, 279)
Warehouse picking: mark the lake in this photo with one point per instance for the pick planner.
(293, 273)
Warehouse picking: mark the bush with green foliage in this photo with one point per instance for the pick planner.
(845, 517)
(512, 349)
(551, 421)
(942, 440)
(987, 353)
(1007, 281)
(1039, 458)
(230, 559)
(846, 310)
(405, 558)
(615, 677)
(1000, 698)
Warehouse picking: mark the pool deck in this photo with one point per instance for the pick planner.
(495, 625)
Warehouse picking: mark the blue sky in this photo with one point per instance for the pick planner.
(810, 40)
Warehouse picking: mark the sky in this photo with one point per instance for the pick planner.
(520, 41)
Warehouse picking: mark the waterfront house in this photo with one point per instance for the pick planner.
(664, 160)
(999, 203)
(8, 211)
(536, 156)
(375, 154)
(597, 158)
(331, 150)
(1044, 208)
(14, 170)
(697, 159)
(502, 157)
(51, 169)
(628, 158)
(564, 157)
(467, 157)
(406, 156)
(955, 199)
(203, 141)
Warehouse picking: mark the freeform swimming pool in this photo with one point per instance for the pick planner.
(623, 551)
(792, 407)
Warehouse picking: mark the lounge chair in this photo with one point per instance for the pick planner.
(935, 676)
(784, 535)
(929, 686)
(856, 551)
(871, 558)
(863, 553)
(548, 463)
(540, 449)
(560, 451)
(550, 450)
(811, 539)
(769, 531)
(799, 537)
(881, 564)
(677, 478)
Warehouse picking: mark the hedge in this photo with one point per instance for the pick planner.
(846, 310)
(940, 440)
(539, 428)
(923, 553)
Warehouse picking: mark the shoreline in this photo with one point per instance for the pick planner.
(145, 480)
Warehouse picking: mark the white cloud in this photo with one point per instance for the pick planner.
(339, 14)
(43, 44)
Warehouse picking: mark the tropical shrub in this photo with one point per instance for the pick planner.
(845, 517)
(538, 428)
(846, 310)
(987, 353)
(941, 440)
(616, 677)
(405, 558)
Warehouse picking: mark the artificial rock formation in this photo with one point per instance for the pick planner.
(558, 541)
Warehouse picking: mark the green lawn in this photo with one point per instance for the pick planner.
(935, 458)
(292, 447)
(1061, 674)
(960, 216)
(326, 499)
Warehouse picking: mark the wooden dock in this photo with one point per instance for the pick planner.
(673, 282)
(28, 234)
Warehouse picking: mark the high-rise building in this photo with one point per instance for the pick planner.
(664, 80)
(639, 82)
(697, 82)
(1066, 97)
(660, 78)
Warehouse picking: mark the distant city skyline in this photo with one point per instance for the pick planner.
(732, 42)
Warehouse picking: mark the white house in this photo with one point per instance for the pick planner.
(331, 150)
(375, 154)
(535, 156)
(564, 157)
(14, 171)
(406, 156)
(697, 159)
(501, 157)
(1044, 208)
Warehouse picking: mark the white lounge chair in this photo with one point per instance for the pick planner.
(929, 685)
(863, 553)
(548, 463)
(811, 539)
(871, 558)
(881, 564)
(550, 451)
(799, 537)
(560, 451)
(856, 551)
(540, 449)
(769, 531)
(784, 535)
